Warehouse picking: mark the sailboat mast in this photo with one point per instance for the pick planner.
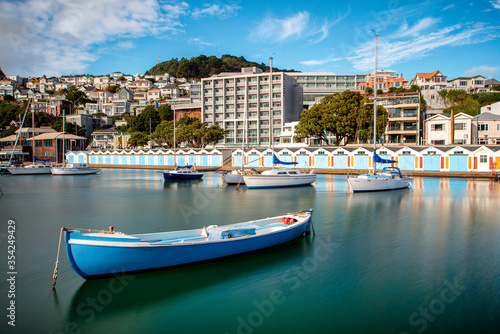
(271, 136)
(245, 127)
(173, 106)
(375, 105)
(63, 144)
(32, 128)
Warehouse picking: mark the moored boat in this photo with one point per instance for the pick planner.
(99, 253)
(33, 169)
(283, 177)
(236, 176)
(389, 178)
(74, 169)
(182, 173)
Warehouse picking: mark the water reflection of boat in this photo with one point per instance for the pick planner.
(182, 184)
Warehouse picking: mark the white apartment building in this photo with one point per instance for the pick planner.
(240, 101)
(430, 84)
(318, 85)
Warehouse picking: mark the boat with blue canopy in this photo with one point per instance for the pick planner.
(182, 173)
(95, 254)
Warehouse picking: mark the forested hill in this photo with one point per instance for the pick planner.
(204, 67)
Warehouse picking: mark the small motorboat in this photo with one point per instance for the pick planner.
(182, 173)
(99, 253)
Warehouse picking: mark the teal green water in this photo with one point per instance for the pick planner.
(423, 260)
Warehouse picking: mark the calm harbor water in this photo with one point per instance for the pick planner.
(422, 260)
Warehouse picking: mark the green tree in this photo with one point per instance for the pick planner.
(77, 98)
(164, 134)
(138, 139)
(212, 135)
(165, 112)
(8, 113)
(316, 122)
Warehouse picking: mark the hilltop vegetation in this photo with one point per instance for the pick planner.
(204, 67)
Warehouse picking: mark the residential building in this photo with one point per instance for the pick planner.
(405, 119)
(315, 86)
(56, 106)
(474, 84)
(7, 90)
(486, 129)
(171, 91)
(490, 83)
(430, 84)
(250, 99)
(124, 94)
(39, 105)
(385, 80)
(50, 145)
(492, 108)
(109, 139)
(101, 96)
(139, 85)
(153, 95)
(438, 130)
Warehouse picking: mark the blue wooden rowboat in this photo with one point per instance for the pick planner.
(99, 253)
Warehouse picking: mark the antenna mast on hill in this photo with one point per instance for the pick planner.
(158, 59)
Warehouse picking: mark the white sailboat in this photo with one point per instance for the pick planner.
(72, 169)
(281, 177)
(35, 168)
(389, 178)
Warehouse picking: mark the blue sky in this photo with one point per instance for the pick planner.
(60, 37)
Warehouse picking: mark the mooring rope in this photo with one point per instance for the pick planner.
(54, 276)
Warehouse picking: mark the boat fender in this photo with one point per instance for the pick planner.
(204, 231)
(287, 220)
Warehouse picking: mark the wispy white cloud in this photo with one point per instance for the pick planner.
(421, 25)
(395, 51)
(495, 4)
(282, 29)
(59, 37)
(485, 70)
(315, 62)
(293, 27)
(222, 12)
(125, 45)
(327, 25)
(450, 6)
(199, 41)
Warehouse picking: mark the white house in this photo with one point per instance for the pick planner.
(492, 108)
(486, 128)
(438, 129)
(474, 84)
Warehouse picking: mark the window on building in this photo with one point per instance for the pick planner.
(483, 127)
(463, 83)
(437, 127)
(460, 126)
(479, 82)
(483, 159)
(47, 143)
